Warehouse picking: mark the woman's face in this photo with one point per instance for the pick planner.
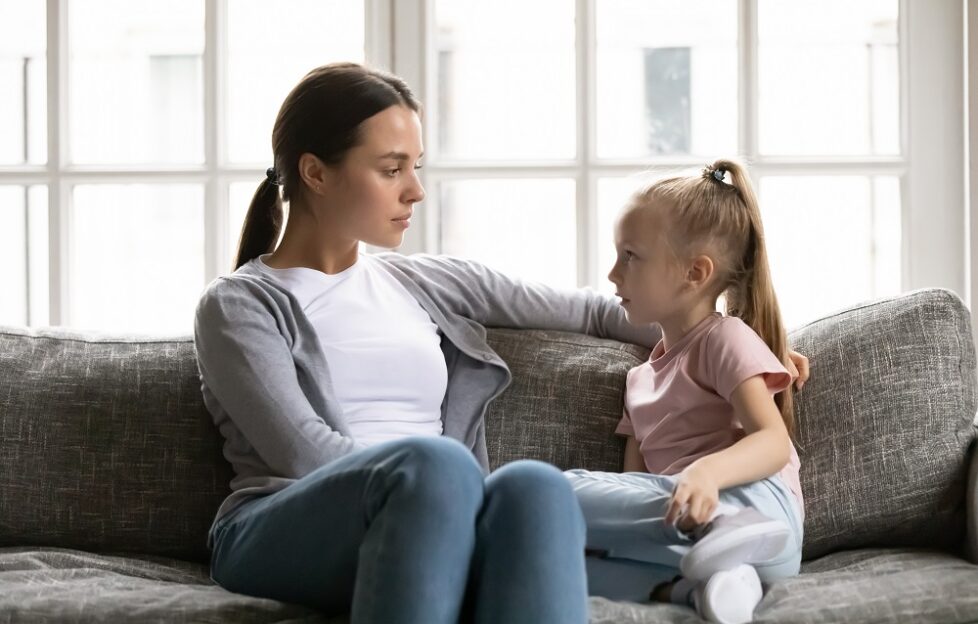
(372, 192)
(645, 274)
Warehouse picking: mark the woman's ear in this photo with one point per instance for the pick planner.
(312, 172)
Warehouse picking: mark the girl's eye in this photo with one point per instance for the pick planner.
(418, 166)
(392, 172)
(628, 256)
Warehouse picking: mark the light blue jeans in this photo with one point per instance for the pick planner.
(412, 531)
(625, 522)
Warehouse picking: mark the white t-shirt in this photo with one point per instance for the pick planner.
(382, 348)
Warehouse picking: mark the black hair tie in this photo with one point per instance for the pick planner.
(272, 176)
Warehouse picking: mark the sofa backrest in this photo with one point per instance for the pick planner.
(105, 444)
(883, 426)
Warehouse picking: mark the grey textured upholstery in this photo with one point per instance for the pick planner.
(110, 469)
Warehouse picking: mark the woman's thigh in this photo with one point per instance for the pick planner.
(302, 544)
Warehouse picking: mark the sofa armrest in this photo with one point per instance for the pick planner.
(971, 505)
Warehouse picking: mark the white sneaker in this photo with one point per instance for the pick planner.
(729, 597)
(747, 536)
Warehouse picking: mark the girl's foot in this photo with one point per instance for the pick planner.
(747, 536)
(730, 596)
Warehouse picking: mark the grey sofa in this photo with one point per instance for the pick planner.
(110, 469)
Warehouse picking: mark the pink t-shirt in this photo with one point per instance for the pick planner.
(677, 404)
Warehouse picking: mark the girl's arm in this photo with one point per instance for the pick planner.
(634, 462)
(761, 453)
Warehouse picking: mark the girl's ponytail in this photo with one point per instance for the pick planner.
(750, 292)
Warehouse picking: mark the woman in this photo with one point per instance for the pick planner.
(350, 389)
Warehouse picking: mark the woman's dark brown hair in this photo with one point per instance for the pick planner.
(322, 116)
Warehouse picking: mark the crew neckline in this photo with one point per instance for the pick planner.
(659, 357)
(260, 262)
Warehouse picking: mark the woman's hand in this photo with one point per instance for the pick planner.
(694, 499)
(798, 367)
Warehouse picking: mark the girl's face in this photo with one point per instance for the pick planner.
(373, 191)
(646, 274)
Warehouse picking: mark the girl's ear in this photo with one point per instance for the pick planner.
(700, 270)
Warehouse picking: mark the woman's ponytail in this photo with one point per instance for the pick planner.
(262, 223)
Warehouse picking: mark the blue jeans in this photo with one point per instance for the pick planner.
(412, 531)
(625, 519)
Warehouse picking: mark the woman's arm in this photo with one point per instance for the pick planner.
(494, 299)
(246, 363)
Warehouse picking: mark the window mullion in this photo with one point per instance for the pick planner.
(412, 59)
(216, 253)
(586, 99)
(58, 193)
(747, 78)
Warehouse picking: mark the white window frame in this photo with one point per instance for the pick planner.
(215, 174)
(936, 232)
(930, 167)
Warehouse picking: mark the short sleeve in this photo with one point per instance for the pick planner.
(734, 353)
(625, 427)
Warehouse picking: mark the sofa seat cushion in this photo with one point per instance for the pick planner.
(61, 585)
(870, 585)
(879, 585)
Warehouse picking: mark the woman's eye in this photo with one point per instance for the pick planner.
(391, 172)
(418, 166)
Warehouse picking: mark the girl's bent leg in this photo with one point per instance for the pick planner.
(529, 560)
(387, 533)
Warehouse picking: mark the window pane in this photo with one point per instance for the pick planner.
(506, 79)
(13, 255)
(666, 77)
(524, 228)
(829, 83)
(23, 74)
(270, 49)
(807, 218)
(137, 257)
(24, 255)
(136, 81)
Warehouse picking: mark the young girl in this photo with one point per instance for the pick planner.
(710, 503)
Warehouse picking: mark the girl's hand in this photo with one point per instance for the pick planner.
(798, 367)
(695, 497)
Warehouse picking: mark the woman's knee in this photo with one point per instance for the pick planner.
(439, 468)
(536, 482)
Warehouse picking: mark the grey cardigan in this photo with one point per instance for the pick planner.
(266, 384)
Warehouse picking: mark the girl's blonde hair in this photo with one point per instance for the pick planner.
(704, 211)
